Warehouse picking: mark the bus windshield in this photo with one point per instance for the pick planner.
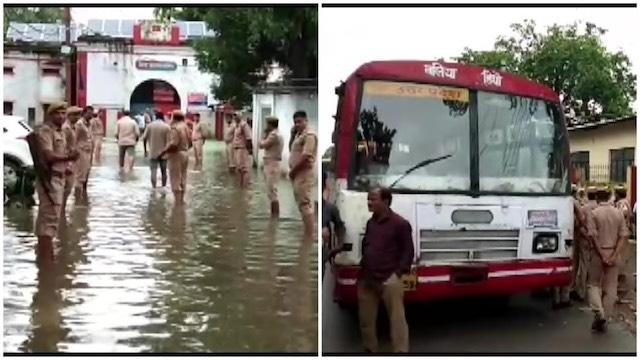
(417, 137)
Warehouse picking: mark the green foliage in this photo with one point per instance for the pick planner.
(47, 15)
(571, 59)
(248, 41)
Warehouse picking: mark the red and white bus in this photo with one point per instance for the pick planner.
(478, 161)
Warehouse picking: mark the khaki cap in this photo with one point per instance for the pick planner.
(178, 113)
(74, 110)
(591, 190)
(59, 105)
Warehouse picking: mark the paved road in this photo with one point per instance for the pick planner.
(525, 325)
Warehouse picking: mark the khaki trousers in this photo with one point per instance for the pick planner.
(602, 286)
(178, 164)
(271, 171)
(302, 188)
(230, 156)
(197, 151)
(392, 295)
(49, 209)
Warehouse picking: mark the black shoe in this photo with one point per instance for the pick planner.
(599, 325)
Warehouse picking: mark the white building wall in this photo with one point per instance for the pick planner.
(27, 87)
(112, 77)
(282, 106)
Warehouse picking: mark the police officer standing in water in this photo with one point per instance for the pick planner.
(178, 150)
(68, 129)
(272, 145)
(302, 165)
(47, 144)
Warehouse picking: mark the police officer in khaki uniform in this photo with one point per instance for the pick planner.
(302, 164)
(84, 145)
(242, 148)
(54, 157)
(97, 133)
(625, 277)
(272, 145)
(228, 139)
(580, 249)
(198, 138)
(69, 130)
(609, 235)
(178, 150)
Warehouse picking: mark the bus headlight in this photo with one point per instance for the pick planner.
(545, 243)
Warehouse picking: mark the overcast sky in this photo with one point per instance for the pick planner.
(351, 37)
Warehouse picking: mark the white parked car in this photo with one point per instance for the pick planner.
(17, 157)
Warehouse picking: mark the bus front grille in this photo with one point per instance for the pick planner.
(442, 246)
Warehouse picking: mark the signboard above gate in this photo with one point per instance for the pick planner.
(197, 98)
(156, 65)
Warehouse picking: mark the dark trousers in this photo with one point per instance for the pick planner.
(123, 149)
(154, 171)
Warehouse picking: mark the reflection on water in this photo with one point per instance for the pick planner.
(133, 272)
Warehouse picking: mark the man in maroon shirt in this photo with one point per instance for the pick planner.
(387, 254)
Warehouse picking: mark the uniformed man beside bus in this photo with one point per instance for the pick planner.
(302, 165)
(242, 148)
(48, 145)
(84, 144)
(581, 247)
(272, 145)
(97, 133)
(70, 174)
(198, 137)
(228, 139)
(625, 278)
(178, 150)
(609, 236)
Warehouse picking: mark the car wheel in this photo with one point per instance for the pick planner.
(11, 176)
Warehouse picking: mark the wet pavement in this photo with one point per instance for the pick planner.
(525, 324)
(136, 273)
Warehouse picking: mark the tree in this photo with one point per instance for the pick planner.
(248, 41)
(45, 15)
(570, 59)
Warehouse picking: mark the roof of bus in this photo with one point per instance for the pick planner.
(454, 74)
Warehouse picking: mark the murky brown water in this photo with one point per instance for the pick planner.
(136, 273)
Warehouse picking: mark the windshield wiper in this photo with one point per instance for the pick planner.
(417, 166)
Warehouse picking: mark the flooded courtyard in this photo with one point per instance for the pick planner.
(136, 273)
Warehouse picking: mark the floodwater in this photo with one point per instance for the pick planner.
(134, 273)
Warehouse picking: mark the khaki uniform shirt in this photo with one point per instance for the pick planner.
(54, 139)
(273, 145)
(625, 208)
(84, 141)
(157, 134)
(179, 136)
(96, 127)
(305, 143)
(241, 133)
(608, 226)
(229, 131)
(198, 131)
(69, 132)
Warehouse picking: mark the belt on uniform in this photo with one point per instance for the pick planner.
(271, 158)
(57, 174)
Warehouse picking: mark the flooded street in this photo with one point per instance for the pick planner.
(135, 273)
